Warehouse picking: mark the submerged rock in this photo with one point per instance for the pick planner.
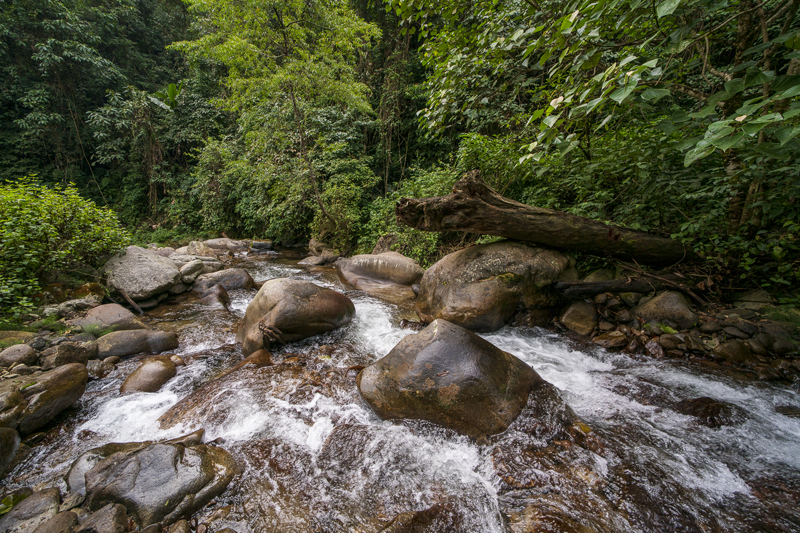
(287, 310)
(155, 482)
(124, 343)
(141, 273)
(710, 412)
(450, 376)
(482, 287)
(111, 316)
(151, 375)
(669, 306)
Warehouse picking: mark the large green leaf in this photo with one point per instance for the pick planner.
(667, 7)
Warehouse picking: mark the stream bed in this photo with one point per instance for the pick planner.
(315, 458)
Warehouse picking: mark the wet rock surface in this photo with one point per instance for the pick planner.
(32, 512)
(141, 273)
(9, 444)
(230, 278)
(109, 316)
(125, 343)
(448, 375)
(48, 394)
(154, 482)
(682, 440)
(286, 310)
(482, 287)
(150, 376)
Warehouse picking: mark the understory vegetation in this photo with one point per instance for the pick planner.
(297, 119)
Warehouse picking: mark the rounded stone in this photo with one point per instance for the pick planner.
(151, 375)
(448, 375)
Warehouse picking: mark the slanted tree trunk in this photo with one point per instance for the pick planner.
(475, 207)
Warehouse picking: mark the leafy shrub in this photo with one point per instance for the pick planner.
(425, 247)
(46, 229)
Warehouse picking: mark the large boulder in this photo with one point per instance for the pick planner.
(50, 393)
(124, 343)
(209, 264)
(191, 270)
(288, 310)
(19, 353)
(389, 275)
(482, 287)
(9, 444)
(113, 518)
(31, 512)
(387, 266)
(212, 294)
(150, 375)
(230, 278)
(68, 352)
(109, 316)
(155, 482)
(670, 306)
(448, 375)
(141, 273)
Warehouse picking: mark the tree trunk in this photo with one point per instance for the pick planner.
(576, 290)
(475, 207)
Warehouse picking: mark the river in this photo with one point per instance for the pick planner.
(316, 458)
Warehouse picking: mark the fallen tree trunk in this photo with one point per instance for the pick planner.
(576, 290)
(475, 207)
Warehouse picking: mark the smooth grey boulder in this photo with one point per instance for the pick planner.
(124, 343)
(31, 512)
(51, 393)
(68, 352)
(109, 316)
(230, 278)
(580, 317)
(448, 375)
(9, 444)
(669, 305)
(155, 482)
(191, 270)
(387, 266)
(150, 376)
(19, 353)
(112, 518)
(141, 273)
(482, 287)
(287, 310)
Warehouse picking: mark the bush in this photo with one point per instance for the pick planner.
(43, 230)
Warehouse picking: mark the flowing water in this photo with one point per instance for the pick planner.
(316, 458)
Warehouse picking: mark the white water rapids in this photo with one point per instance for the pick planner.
(702, 477)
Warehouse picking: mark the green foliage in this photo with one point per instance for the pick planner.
(45, 229)
(97, 330)
(425, 247)
(10, 501)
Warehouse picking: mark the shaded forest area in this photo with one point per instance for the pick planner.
(298, 119)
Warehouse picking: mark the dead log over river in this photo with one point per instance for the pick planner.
(474, 207)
